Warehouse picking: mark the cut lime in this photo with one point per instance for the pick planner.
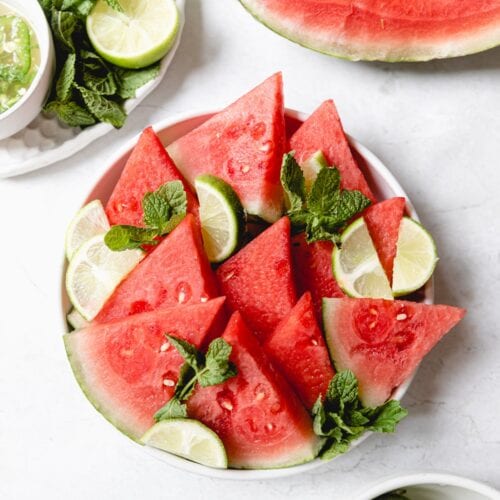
(137, 35)
(90, 221)
(356, 264)
(94, 272)
(15, 48)
(416, 258)
(221, 216)
(76, 320)
(312, 166)
(188, 439)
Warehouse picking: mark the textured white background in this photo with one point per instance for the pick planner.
(436, 126)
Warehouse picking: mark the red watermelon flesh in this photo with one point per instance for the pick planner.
(383, 341)
(148, 168)
(128, 369)
(323, 131)
(243, 145)
(383, 220)
(176, 272)
(298, 349)
(396, 30)
(258, 417)
(258, 282)
(313, 270)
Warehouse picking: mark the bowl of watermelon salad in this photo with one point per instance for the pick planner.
(228, 346)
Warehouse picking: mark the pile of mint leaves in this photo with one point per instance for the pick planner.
(86, 89)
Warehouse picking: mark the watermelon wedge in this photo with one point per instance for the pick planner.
(176, 272)
(243, 145)
(383, 220)
(383, 341)
(258, 417)
(298, 349)
(258, 282)
(128, 369)
(148, 167)
(384, 31)
(312, 266)
(323, 131)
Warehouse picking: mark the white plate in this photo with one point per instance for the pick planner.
(384, 186)
(46, 140)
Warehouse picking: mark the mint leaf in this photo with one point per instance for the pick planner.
(114, 4)
(173, 409)
(157, 210)
(123, 237)
(166, 202)
(321, 199)
(173, 193)
(341, 418)
(64, 25)
(293, 182)
(129, 81)
(191, 355)
(103, 109)
(64, 84)
(217, 364)
(70, 113)
(172, 223)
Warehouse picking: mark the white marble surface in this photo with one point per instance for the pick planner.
(437, 127)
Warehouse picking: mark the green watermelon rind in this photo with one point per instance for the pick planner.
(371, 55)
(76, 365)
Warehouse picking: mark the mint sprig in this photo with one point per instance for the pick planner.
(341, 418)
(208, 369)
(326, 208)
(87, 89)
(163, 210)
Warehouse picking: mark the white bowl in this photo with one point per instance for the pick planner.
(29, 106)
(381, 180)
(432, 486)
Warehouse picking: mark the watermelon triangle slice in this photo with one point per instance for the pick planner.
(176, 272)
(244, 145)
(383, 341)
(298, 349)
(258, 417)
(323, 131)
(257, 281)
(128, 369)
(383, 220)
(148, 167)
(313, 270)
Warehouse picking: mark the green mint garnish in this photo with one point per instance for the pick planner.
(341, 418)
(208, 369)
(326, 208)
(163, 210)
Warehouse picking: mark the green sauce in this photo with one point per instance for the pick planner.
(19, 57)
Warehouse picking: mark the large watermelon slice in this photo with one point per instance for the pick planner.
(383, 341)
(147, 168)
(258, 417)
(128, 369)
(243, 145)
(312, 266)
(323, 131)
(383, 220)
(399, 30)
(258, 281)
(176, 272)
(298, 349)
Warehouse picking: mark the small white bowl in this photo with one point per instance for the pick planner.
(432, 486)
(29, 106)
(381, 180)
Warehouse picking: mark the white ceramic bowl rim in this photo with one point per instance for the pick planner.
(255, 474)
(33, 13)
(428, 478)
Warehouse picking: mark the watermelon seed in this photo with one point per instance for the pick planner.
(266, 147)
(203, 299)
(401, 317)
(227, 405)
(270, 426)
(165, 346)
(260, 392)
(228, 276)
(168, 382)
(314, 342)
(245, 169)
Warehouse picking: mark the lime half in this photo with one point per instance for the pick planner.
(188, 439)
(416, 258)
(312, 166)
(221, 216)
(94, 272)
(90, 221)
(356, 264)
(138, 35)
